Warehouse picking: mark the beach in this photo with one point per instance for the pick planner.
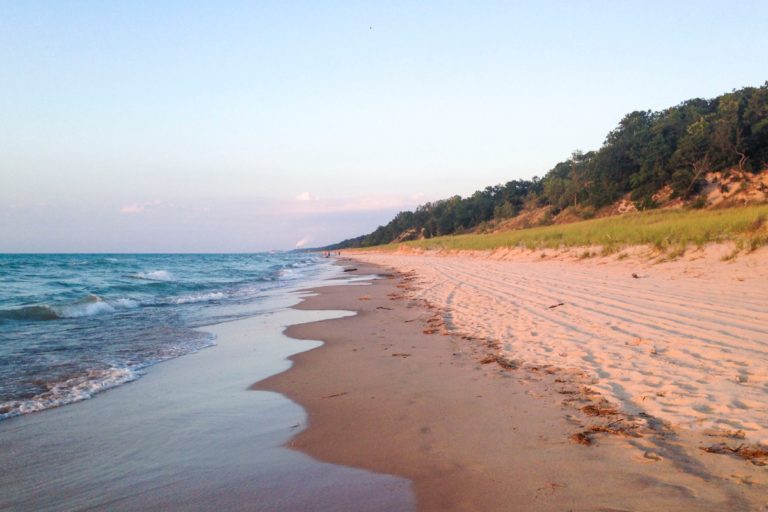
(405, 388)
(400, 257)
(190, 435)
(685, 340)
(433, 382)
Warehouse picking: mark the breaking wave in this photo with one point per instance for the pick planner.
(158, 275)
(200, 297)
(74, 325)
(87, 306)
(70, 391)
(95, 380)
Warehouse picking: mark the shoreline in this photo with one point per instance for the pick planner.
(189, 435)
(388, 393)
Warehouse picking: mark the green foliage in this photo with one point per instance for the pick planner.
(757, 241)
(661, 229)
(699, 203)
(678, 252)
(588, 213)
(647, 151)
(546, 219)
(505, 210)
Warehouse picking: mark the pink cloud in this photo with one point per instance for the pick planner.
(139, 207)
(132, 208)
(306, 196)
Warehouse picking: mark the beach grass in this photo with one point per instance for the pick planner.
(662, 229)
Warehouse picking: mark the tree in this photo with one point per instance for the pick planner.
(692, 158)
(644, 153)
(729, 130)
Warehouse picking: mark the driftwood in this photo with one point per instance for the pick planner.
(743, 451)
(596, 410)
(582, 438)
(337, 394)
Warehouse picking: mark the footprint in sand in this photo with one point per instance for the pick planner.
(647, 458)
(573, 419)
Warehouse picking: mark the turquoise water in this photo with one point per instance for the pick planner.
(74, 325)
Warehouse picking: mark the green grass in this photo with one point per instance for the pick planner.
(661, 229)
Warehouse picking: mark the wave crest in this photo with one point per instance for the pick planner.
(70, 391)
(200, 297)
(94, 380)
(158, 275)
(89, 305)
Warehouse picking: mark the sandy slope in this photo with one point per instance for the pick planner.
(686, 342)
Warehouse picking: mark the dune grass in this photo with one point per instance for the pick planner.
(663, 229)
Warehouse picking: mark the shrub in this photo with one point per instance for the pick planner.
(660, 228)
(546, 219)
(757, 223)
(756, 242)
(699, 203)
(677, 253)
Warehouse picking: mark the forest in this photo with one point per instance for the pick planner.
(646, 152)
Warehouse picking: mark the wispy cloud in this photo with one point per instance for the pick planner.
(132, 208)
(139, 207)
(304, 241)
(306, 196)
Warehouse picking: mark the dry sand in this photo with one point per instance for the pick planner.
(686, 341)
(392, 392)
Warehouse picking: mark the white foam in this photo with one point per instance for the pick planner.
(96, 380)
(158, 275)
(88, 306)
(201, 297)
(70, 391)
(124, 304)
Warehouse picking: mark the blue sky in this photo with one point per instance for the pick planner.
(244, 126)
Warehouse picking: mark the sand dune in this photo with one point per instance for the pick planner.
(686, 341)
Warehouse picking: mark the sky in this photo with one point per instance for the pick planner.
(232, 126)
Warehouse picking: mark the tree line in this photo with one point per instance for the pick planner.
(646, 152)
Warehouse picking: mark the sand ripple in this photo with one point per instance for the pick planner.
(693, 352)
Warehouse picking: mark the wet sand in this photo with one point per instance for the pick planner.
(189, 435)
(390, 393)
